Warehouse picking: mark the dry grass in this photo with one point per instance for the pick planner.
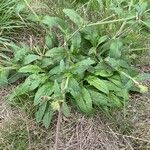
(5, 110)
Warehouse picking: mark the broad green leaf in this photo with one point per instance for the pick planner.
(103, 73)
(98, 84)
(115, 101)
(92, 50)
(87, 98)
(57, 53)
(30, 58)
(147, 22)
(74, 16)
(102, 40)
(117, 63)
(115, 49)
(55, 21)
(45, 62)
(125, 73)
(50, 21)
(120, 91)
(76, 41)
(30, 69)
(123, 64)
(65, 109)
(32, 18)
(129, 84)
(111, 86)
(75, 91)
(43, 91)
(47, 117)
(116, 80)
(20, 52)
(34, 80)
(91, 34)
(49, 41)
(57, 90)
(112, 62)
(81, 95)
(102, 69)
(55, 71)
(73, 86)
(20, 7)
(82, 66)
(15, 77)
(54, 51)
(99, 99)
(102, 65)
(81, 103)
(4, 78)
(40, 113)
(62, 65)
(123, 93)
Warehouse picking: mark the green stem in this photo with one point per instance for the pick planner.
(102, 22)
(125, 74)
(110, 21)
(128, 76)
(139, 49)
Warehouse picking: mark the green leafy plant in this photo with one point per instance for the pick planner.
(82, 67)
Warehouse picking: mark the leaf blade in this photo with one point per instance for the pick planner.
(74, 16)
(47, 117)
(30, 58)
(30, 69)
(98, 84)
(44, 90)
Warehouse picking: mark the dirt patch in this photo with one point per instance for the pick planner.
(141, 121)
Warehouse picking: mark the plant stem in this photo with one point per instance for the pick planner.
(102, 22)
(128, 76)
(120, 30)
(139, 49)
(64, 87)
(57, 130)
(110, 21)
